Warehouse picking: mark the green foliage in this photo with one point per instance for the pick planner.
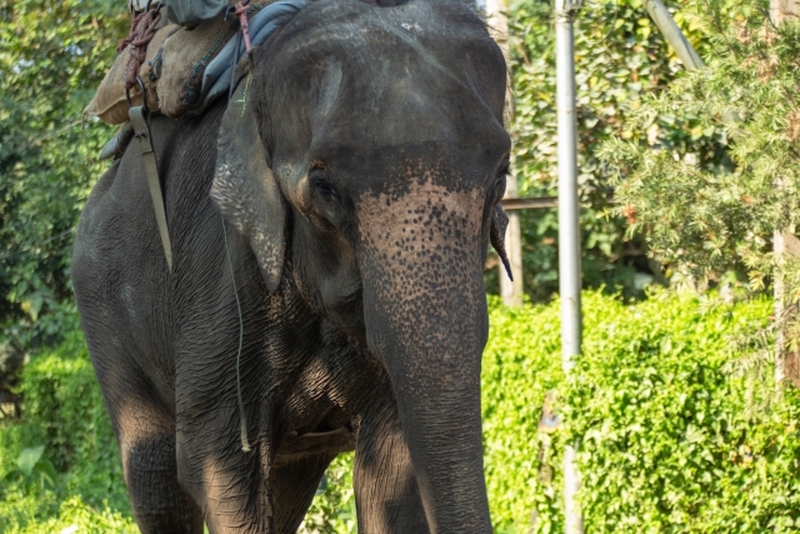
(334, 508)
(61, 393)
(59, 466)
(619, 57)
(521, 364)
(668, 439)
(75, 515)
(72, 515)
(31, 463)
(53, 55)
(715, 170)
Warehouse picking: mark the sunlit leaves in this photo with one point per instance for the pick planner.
(668, 439)
(719, 172)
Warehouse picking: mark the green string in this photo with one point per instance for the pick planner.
(242, 420)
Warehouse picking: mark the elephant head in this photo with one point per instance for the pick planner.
(363, 155)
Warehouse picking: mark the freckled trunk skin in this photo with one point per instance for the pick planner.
(426, 318)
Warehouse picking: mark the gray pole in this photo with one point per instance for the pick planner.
(569, 247)
(674, 36)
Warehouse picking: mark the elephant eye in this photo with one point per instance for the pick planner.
(331, 203)
(500, 182)
(323, 185)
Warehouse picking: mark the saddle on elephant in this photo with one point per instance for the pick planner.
(181, 68)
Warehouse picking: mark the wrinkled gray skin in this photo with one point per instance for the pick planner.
(359, 171)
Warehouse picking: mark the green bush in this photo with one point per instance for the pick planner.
(53, 55)
(334, 508)
(699, 178)
(521, 364)
(59, 465)
(668, 439)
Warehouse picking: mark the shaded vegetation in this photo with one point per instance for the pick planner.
(53, 55)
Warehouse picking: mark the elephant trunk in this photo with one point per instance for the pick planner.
(425, 311)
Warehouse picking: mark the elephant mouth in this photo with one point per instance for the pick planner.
(296, 447)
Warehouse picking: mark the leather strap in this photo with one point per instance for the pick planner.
(142, 135)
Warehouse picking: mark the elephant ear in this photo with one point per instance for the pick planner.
(244, 189)
(497, 235)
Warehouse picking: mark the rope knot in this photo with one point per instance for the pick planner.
(241, 9)
(143, 28)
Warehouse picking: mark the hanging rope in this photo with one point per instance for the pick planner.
(143, 27)
(242, 419)
(241, 10)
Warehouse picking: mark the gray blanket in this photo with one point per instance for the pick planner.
(219, 72)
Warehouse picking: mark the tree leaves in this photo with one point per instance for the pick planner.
(32, 464)
(720, 141)
(619, 59)
(53, 55)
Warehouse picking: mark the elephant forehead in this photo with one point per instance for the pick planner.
(428, 224)
(415, 95)
(397, 170)
(404, 74)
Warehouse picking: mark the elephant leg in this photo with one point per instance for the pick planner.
(147, 445)
(387, 496)
(293, 488)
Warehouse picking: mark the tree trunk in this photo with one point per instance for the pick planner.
(784, 243)
(781, 10)
(510, 290)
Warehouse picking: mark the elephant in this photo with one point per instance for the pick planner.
(329, 224)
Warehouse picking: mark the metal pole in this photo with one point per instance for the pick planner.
(569, 248)
(674, 36)
(569, 253)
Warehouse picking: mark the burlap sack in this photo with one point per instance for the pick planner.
(175, 65)
(186, 55)
(110, 103)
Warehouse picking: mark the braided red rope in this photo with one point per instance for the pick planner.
(241, 10)
(143, 27)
